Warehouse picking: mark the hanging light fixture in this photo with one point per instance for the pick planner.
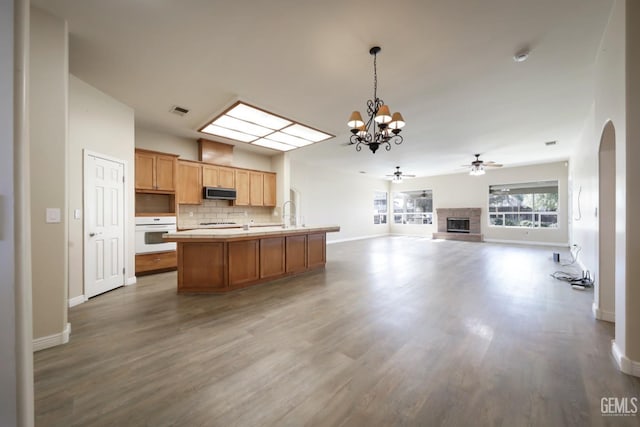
(477, 170)
(381, 126)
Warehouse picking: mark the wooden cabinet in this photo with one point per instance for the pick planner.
(296, 250)
(151, 263)
(269, 189)
(218, 176)
(242, 187)
(256, 189)
(316, 250)
(155, 172)
(244, 262)
(206, 270)
(272, 257)
(189, 191)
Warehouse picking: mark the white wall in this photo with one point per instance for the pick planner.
(329, 197)
(188, 149)
(48, 129)
(465, 191)
(8, 315)
(103, 125)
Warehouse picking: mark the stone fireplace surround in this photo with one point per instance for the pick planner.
(473, 214)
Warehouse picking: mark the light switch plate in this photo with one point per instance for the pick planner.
(76, 214)
(53, 216)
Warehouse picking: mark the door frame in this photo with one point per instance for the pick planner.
(85, 236)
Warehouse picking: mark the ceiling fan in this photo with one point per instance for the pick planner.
(398, 175)
(477, 166)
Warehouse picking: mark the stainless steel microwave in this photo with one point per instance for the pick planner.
(215, 193)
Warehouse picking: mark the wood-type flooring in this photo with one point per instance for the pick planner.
(396, 331)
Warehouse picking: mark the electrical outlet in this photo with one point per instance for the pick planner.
(190, 213)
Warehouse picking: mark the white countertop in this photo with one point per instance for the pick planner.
(222, 233)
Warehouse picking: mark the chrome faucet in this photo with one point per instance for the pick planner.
(290, 216)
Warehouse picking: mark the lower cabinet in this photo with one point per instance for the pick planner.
(244, 262)
(152, 263)
(296, 253)
(221, 266)
(202, 267)
(272, 257)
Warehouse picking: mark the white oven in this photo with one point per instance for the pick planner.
(149, 232)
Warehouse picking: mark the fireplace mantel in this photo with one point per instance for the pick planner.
(473, 214)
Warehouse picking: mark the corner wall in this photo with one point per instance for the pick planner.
(48, 129)
(102, 125)
(330, 197)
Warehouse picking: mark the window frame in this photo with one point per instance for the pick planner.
(535, 212)
(405, 217)
(380, 214)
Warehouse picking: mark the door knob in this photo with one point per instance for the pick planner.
(92, 234)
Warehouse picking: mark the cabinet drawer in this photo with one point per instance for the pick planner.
(158, 261)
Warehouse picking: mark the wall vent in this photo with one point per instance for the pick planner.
(181, 111)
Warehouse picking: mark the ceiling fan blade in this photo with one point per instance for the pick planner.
(408, 176)
(493, 165)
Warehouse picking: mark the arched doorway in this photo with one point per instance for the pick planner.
(604, 294)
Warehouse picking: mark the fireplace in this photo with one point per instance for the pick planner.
(457, 225)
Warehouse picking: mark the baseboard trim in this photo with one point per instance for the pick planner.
(372, 236)
(626, 365)
(77, 300)
(52, 340)
(527, 242)
(131, 281)
(599, 314)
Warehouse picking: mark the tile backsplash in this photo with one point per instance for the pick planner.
(219, 210)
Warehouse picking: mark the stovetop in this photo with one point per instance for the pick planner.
(218, 223)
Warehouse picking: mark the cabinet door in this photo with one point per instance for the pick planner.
(269, 189)
(296, 253)
(210, 176)
(255, 188)
(189, 183)
(243, 262)
(165, 173)
(242, 188)
(145, 166)
(316, 250)
(226, 177)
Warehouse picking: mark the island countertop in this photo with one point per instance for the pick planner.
(221, 234)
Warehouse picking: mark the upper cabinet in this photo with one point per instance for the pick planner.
(256, 190)
(189, 190)
(242, 188)
(155, 172)
(218, 176)
(269, 189)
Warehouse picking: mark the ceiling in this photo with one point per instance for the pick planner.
(447, 65)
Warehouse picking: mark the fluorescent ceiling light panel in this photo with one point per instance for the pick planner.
(306, 133)
(289, 139)
(245, 123)
(259, 117)
(228, 133)
(242, 126)
(273, 144)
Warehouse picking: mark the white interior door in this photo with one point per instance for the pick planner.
(104, 225)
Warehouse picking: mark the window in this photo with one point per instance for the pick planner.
(533, 204)
(380, 207)
(413, 207)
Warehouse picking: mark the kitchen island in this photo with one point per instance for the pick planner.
(222, 260)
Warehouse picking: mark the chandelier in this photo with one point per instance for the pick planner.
(381, 127)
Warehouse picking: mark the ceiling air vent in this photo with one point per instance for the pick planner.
(181, 111)
(549, 143)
